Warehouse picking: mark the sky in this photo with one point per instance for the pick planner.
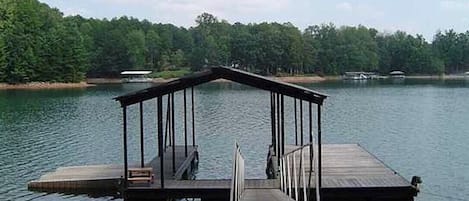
(413, 16)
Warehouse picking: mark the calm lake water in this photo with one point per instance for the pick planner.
(418, 127)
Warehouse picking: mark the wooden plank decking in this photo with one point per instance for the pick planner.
(108, 177)
(351, 166)
(216, 189)
(349, 172)
(264, 195)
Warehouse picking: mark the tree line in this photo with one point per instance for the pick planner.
(37, 43)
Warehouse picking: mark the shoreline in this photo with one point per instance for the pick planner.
(289, 79)
(45, 85)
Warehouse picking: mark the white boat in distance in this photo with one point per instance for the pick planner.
(135, 76)
(360, 76)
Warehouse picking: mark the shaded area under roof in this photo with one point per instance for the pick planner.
(231, 74)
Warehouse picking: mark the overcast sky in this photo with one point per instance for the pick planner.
(413, 16)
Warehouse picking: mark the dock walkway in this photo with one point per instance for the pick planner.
(108, 178)
(349, 173)
(264, 195)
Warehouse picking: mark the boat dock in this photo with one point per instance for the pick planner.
(305, 169)
(108, 179)
(348, 171)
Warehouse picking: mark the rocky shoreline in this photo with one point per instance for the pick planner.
(44, 85)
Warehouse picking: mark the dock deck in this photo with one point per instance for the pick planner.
(107, 178)
(349, 173)
(264, 194)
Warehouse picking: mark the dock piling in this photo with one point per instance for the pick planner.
(142, 157)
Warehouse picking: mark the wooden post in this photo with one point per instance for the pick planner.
(142, 157)
(283, 125)
(185, 124)
(319, 150)
(160, 137)
(167, 136)
(126, 168)
(173, 133)
(296, 123)
(277, 152)
(193, 120)
(272, 119)
(301, 121)
(310, 122)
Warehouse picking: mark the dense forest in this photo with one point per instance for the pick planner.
(37, 43)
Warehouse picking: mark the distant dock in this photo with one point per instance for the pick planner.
(305, 169)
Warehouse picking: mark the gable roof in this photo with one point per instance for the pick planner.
(214, 73)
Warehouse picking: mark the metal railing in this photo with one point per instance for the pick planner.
(237, 180)
(294, 180)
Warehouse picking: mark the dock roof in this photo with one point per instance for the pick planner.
(135, 72)
(231, 74)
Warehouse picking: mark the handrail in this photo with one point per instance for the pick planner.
(237, 180)
(291, 182)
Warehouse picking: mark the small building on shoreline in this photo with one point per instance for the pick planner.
(135, 76)
(397, 74)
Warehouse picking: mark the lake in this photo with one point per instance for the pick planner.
(417, 127)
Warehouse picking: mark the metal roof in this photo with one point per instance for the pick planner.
(231, 74)
(396, 72)
(136, 72)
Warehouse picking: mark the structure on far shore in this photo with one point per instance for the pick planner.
(361, 76)
(135, 76)
(397, 74)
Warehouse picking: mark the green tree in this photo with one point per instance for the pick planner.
(177, 58)
(152, 42)
(3, 60)
(136, 48)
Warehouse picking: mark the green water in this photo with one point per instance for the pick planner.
(418, 127)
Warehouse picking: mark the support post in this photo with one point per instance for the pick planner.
(310, 122)
(185, 124)
(277, 152)
(296, 123)
(167, 136)
(272, 119)
(142, 157)
(319, 150)
(301, 121)
(126, 167)
(193, 120)
(173, 132)
(160, 137)
(283, 125)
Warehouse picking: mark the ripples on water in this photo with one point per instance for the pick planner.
(418, 128)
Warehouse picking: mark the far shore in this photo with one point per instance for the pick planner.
(45, 85)
(290, 79)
